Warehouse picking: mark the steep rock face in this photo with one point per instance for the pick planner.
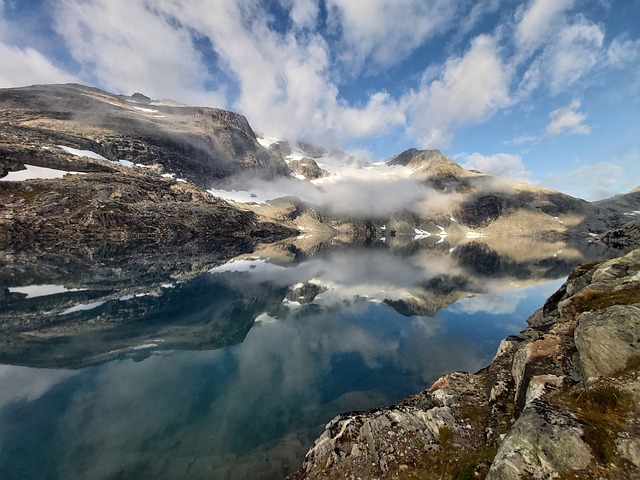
(202, 145)
(551, 403)
(121, 206)
(308, 168)
(434, 168)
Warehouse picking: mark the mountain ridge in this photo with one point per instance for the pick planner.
(73, 128)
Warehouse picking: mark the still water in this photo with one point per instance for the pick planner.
(231, 373)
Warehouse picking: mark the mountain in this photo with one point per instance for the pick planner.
(102, 167)
(446, 200)
(129, 168)
(201, 145)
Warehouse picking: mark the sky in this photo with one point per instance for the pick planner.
(546, 91)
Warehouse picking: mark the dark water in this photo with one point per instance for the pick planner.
(234, 372)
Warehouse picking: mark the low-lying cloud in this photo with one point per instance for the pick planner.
(360, 193)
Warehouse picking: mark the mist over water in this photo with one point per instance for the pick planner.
(305, 339)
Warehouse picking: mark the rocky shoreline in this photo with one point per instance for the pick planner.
(558, 401)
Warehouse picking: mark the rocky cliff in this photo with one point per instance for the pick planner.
(558, 401)
(202, 145)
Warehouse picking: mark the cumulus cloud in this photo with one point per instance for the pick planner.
(622, 52)
(469, 89)
(568, 120)
(557, 49)
(129, 46)
(384, 32)
(27, 67)
(293, 73)
(503, 164)
(578, 49)
(537, 22)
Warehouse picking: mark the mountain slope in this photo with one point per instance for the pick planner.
(199, 144)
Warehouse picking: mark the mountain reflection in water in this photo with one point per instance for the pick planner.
(233, 373)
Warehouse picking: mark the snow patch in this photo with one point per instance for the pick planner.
(32, 172)
(146, 110)
(266, 141)
(82, 153)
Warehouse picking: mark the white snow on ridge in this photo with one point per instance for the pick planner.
(238, 196)
(82, 153)
(32, 172)
(267, 141)
(146, 110)
(475, 235)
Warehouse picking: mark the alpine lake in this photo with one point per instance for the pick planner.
(141, 365)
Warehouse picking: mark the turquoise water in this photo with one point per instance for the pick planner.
(305, 340)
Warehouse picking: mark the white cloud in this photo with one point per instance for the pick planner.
(27, 66)
(622, 52)
(597, 181)
(503, 164)
(568, 120)
(285, 80)
(469, 89)
(383, 32)
(579, 47)
(129, 46)
(538, 21)
(304, 13)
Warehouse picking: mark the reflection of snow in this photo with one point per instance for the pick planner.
(248, 265)
(33, 291)
(475, 235)
(82, 307)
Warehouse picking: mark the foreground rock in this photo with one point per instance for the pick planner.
(558, 401)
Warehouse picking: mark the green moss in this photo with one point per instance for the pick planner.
(602, 411)
(593, 300)
(473, 465)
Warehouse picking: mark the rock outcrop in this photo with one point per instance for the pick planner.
(558, 401)
(625, 237)
(121, 206)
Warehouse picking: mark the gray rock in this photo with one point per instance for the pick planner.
(541, 444)
(606, 340)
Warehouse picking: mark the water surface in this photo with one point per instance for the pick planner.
(232, 373)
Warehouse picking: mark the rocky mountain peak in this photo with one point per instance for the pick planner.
(413, 156)
(429, 162)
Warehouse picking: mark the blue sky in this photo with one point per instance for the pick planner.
(542, 90)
